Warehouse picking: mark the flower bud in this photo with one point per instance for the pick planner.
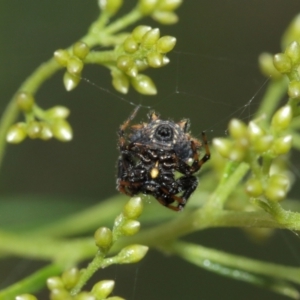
(141, 64)
(282, 145)
(115, 298)
(75, 65)
(139, 31)
(26, 297)
(124, 63)
(169, 5)
(237, 153)
(255, 131)
(103, 288)
(110, 6)
(146, 7)
(133, 208)
(132, 254)
(70, 81)
(60, 294)
(103, 238)
(223, 146)
(130, 227)
(85, 296)
(266, 65)
(57, 112)
(34, 129)
(166, 44)
(55, 283)
(165, 17)
(277, 187)
(120, 82)
(237, 129)
(45, 132)
(292, 33)
(294, 89)
(254, 187)
(150, 38)
(144, 84)
(62, 57)
(16, 133)
(155, 59)
(282, 118)
(282, 63)
(62, 130)
(130, 45)
(293, 51)
(262, 144)
(25, 101)
(70, 278)
(81, 50)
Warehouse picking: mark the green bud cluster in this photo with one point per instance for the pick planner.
(73, 62)
(142, 49)
(255, 143)
(39, 123)
(160, 10)
(60, 288)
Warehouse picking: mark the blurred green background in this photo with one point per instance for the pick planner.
(212, 75)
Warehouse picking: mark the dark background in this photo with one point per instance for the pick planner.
(214, 69)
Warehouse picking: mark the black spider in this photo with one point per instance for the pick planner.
(152, 153)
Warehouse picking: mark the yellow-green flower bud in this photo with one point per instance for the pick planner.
(16, 133)
(166, 44)
(120, 81)
(255, 131)
(294, 89)
(237, 153)
(223, 146)
(277, 187)
(133, 71)
(282, 118)
(45, 132)
(262, 144)
(169, 5)
(293, 51)
(110, 6)
(165, 17)
(292, 33)
(103, 238)
(146, 7)
(25, 101)
(85, 296)
(57, 112)
(144, 84)
(141, 64)
(139, 31)
(125, 63)
(282, 145)
(34, 129)
(130, 227)
(81, 50)
(75, 65)
(132, 254)
(115, 298)
(150, 38)
(62, 130)
(70, 278)
(130, 45)
(55, 283)
(266, 65)
(70, 81)
(254, 187)
(60, 294)
(133, 208)
(237, 129)
(62, 57)
(26, 297)
(155, 59)
(103, 288)
(282, 63)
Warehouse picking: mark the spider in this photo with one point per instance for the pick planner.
(152, 153)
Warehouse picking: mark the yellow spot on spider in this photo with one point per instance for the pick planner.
(154, 171)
